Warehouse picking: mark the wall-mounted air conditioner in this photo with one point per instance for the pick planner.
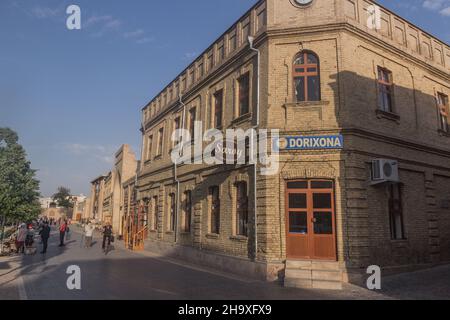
(384, 170)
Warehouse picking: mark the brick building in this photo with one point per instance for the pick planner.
(322, 74)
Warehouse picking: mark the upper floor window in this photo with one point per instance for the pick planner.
(218, 108)
(160, 141)
(176, 126)
(210, 60)
(232, 41)
(245, 31)
(385, 90)
(244, 94)
(220, 52)
(200, 69)
(442, 101)
(306, 72)
(150, 147)
(192, 119)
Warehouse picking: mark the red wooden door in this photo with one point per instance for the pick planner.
(310, 220)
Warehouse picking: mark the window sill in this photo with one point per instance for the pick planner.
(239, 238)
(170, 232)
(158, 158)
(242, 118)
(214, 236)
(153, 231)
(388, 115)
(443, 133)
(307, 104)
(185, 233)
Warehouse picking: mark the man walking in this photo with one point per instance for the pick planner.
(88, 234)
(107, 234)
(62, 233)
(45, 235)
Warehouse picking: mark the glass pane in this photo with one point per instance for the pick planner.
(299, 69)
(311, 69)
(312, 59)
(313, 88)
(297, 200)
(298, 222)
(323, 223)
(298, 185)
(321, 185)
(300, 60)
(322, 200)
(300, 88)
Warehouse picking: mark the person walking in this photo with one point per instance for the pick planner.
(107, 234)
(88, 234)
(45, 235)
(21, 236)
(62, 233)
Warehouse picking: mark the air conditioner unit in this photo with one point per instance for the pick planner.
(384, 170)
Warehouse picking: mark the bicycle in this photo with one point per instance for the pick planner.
(108, 245)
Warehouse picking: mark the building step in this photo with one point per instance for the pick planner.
(297, 283)
(298, 274)
(313, 274)
(327, 275)
(327, 285)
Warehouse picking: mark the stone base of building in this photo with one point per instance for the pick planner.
(359, 277)
(264, 271)
(273, 271)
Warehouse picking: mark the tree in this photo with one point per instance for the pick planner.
(63, 198)
(19, 189)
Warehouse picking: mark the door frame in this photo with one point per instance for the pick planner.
(310, 211)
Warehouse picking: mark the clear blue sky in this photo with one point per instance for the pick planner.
(75, 96)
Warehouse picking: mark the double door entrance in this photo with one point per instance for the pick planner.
(310, 220)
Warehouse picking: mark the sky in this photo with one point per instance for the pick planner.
(75, 96)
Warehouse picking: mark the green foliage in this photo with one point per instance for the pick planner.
(63, 198)
(19, 189)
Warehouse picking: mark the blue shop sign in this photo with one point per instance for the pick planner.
(310, 142)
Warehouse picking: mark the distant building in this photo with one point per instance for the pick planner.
(46, 203)
(107, 192)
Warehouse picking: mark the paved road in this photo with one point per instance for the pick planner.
(129, 275)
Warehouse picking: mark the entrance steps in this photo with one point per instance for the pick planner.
(313, 274)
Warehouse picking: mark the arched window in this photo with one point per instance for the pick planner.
(306, 73)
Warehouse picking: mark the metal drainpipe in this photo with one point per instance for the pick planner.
(255, 166)
(177, 181)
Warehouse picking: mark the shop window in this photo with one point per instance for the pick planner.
(241, 209)
(442, 101)
(171, 217)
(385, 90)
(155, 213)
(187, 211)
(215, 210)
(306, 73)
(396, 212)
